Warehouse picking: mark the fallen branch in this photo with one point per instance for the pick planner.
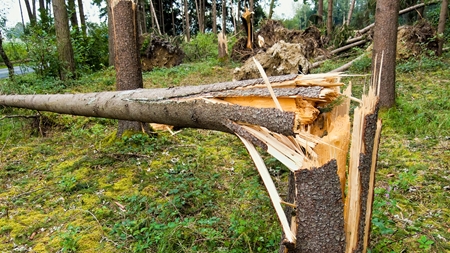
(347, 65)
(338, 50)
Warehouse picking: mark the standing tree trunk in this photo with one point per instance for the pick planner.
(127, 62)
(214, 16)
(82, 17)
(330, 19)
(350, 12)
(5, 58)
(110, 34)
(320, 13)
(73, 15)
(224, 17)
(385, 48)
(31, 13)
(65, 50)
(272, 5)
(441, 26)
(186, 17)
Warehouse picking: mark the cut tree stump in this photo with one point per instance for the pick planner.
(301, 120)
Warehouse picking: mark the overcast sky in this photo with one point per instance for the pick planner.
(12, 9)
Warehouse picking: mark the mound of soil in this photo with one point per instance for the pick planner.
(284, 51)
(415, 40)
(159, 52)
(273, 31)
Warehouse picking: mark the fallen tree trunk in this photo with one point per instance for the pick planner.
(310, 135)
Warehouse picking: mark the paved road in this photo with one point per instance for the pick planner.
(17, 71)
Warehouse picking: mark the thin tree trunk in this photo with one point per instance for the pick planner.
(111, 49)
(82, 17)
(350, 12)
(224, 17)
(186, 16)
(21, 16)
(384, 49)
(214, 16)
(5, 58)
(272, 4)
(31, 15)
(127, 62)
(64, 45)
(43, 14)
(320, 13)
(173, 21)
(161, 15)
(330, 19)
(155, 17)
(441, 25)
(73, 15)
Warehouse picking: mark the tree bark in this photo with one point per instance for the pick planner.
(30, 12)
(5, 58)
(224, 17)
(186, 17)
(111, 49)
(350, 12)
(330, 19)
(127, 62)
(64, 45)
(73, 15)
(82, 17)
(272, 5)
(384, 49)
(320, 13)
(214, 16)
(441, 26)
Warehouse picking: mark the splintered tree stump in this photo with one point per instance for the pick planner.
(301, 120)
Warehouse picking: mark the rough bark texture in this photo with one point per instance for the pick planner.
(330, 19)
(186, 17)
(127, 61)
(110, 34)
(214, 16)
(441, 25)
(65, 50)
(320, 210)
(5, 58)
(364, 168)
(82, 17)
(385, 47)
(172, 106)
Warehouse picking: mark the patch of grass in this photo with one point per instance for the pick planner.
(80, 189)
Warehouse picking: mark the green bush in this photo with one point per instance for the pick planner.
(201, 47)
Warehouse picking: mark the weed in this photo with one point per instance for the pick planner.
(69, 239)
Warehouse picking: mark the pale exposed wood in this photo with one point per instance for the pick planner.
(270, 186)
(266, 81)
(347, 65)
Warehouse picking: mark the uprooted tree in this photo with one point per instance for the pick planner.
(302, 120)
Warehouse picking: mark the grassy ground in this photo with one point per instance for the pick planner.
(78, 189)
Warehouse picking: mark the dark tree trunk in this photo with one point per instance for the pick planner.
(65, 50)
(186, 17)
(441, 26)
(30, 12)
(272, 4)
(5, 58)
(73, 15)
(82, 17)
(384, 49)
(224, 17)
(350, 12)
(110, 34)
(330, 19)
(320, 13)
(127, 61)
(214, 16)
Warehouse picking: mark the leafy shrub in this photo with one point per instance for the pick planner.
(201, 47)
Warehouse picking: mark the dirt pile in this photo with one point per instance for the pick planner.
(159, 52)
(415, 40)
(283, 52)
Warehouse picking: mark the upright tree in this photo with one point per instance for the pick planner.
(64, 45)
(187, 23)
(350, 12)
(441, 26)
(31, 11)
(320, 12)
(330, 18)
(73, 14)
(5, 58)
(384, 49)
(82, 17)
(214, 16)
(127, 62)
(110, 34)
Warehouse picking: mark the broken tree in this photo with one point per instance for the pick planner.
(302, 120)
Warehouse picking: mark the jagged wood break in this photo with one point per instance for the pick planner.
(311, 135)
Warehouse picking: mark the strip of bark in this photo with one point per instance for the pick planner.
(320, 210)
